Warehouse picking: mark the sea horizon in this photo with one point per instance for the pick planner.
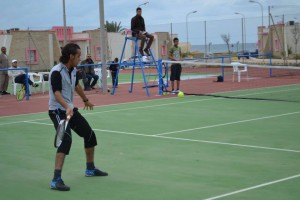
(222, 48)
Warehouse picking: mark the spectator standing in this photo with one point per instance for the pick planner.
(4, 78)
(175, 55)
(113, 70)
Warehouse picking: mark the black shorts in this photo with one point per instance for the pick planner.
(175, 72)
(78, 124)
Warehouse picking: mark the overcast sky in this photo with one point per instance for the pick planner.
(84, 14)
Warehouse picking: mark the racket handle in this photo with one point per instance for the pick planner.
(68, 117)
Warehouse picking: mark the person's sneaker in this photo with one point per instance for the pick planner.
(35, 85)
(59, 184)
(147, 52)
(177, 91)
(95, 172)
(173, 91)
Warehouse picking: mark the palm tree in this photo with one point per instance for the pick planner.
(113, 26)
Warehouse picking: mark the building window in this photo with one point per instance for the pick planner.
(97, 51)
(276, 44)
(259, 45)
(163, 50)
(31, 56)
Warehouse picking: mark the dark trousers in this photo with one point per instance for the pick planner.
(114, 77)
(143, 39)
(90, 77)
(21, 79)
(78, 124)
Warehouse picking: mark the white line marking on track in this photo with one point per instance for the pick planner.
(254, 187)
(229, 123)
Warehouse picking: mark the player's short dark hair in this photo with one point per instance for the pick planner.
(69, 49)
(138, 8)
(175, 39)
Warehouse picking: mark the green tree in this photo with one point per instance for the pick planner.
(113, 26)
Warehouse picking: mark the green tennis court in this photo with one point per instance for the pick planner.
(196, 147)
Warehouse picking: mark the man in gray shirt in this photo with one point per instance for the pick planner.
(63, 83)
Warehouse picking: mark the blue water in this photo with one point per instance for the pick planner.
(222, 48)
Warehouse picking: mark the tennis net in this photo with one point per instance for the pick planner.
(280, 83)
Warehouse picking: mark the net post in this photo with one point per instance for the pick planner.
(26, 84)
(160, 78)
(223, 68)
(270, 56)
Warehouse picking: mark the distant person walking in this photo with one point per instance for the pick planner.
(4, 78)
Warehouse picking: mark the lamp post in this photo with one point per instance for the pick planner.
(243, 30)
(143, 4)
(262, 24)
(187, 29)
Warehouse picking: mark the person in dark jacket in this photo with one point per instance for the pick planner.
(138, 29)
(113, 70)
(90, 72)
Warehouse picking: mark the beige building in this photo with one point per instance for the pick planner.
(40, 50)
(280, 38)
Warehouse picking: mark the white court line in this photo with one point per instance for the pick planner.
(254, 187)
(143, 107)
(117, 110)
(201, 141)
(225, 124)
(182, 139)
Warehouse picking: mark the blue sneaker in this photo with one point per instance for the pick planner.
(59, 184)
(95, 172)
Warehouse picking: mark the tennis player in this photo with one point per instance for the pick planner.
(63, 83)
(175, 55)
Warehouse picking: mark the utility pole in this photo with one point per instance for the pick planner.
(103, 42)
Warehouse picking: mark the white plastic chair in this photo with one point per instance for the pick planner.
(98, 71)
(44, 81)
(32, 75)
(14, 84)
(239, 68)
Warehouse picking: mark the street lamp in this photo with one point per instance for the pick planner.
(143, 4)
(243, 30)
(262, 24)
(187, 29)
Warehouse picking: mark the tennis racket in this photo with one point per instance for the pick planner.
(21, 93)
(60, 131)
